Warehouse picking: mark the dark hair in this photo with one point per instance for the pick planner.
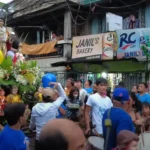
(70, 96)
(138, 105)
(13, 112)
(146, 104)
(15, 44)
(90, 82)
(47, 99)
(79, 81)
(54, 141)
(100, 81)
(121, 84)
(72, 81)
(145, 84)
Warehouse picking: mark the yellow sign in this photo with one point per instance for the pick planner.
(87, 46)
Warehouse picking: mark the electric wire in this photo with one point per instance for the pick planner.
(122, 6)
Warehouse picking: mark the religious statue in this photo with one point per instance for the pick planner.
(3, 37)
(14, 97)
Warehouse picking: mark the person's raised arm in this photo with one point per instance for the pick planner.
(59, 88)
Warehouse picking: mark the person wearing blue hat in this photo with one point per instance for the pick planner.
(117, 119)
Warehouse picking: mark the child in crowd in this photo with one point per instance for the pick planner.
(145, 114)
(11, 137)
(127, 140)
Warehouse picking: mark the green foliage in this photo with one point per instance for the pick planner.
(8, 82)
(28, 65)
(26, 75)
(7, 64)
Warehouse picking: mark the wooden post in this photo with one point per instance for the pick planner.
(67, 34)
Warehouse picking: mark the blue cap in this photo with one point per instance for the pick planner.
(121, 94)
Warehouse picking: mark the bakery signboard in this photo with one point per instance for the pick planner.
(87, 47)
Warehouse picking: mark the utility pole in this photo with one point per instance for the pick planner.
(67, 34)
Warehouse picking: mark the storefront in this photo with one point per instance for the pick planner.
(116, 55)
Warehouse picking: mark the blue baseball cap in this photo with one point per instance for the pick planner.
(121, 94)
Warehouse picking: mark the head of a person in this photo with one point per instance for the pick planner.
(88, 84)
(14, 90)
(74, 93)
(15, 114)
(127, 140)
(49, 94)
(121, 84)
(134, 102)
(79, 84)
(69, 83)
(101, 84)
(142, 88)
(94, 88)
(54, 35)
(58, 135)
(121, 98)
(145, 109)
(134, 89)
(1, 22)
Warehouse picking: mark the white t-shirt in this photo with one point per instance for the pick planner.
(83, 94)
(98, 106)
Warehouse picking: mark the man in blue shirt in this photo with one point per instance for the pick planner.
(11, 137)
(87, 87)
(120, 120)
(143, 96)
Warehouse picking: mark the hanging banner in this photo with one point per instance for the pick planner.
(87, 47)
(128, 41)
(108, 46)
(143, 37)
(39, 49)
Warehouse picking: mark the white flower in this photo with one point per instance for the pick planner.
(21, 79)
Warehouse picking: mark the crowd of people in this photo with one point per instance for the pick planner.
(65, 117)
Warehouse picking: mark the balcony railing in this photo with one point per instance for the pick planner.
(59, 51)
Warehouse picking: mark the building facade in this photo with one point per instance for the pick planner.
(72, 18)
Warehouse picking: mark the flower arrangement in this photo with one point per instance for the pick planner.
(24, 74)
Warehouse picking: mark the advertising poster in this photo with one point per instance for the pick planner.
(108, 46)
(87, 47)
(143, 39)
(128, 41)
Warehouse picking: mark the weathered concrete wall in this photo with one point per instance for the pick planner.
(45, 64)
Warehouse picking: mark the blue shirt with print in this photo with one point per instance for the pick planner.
(12, 139)
(120, 121)
(59, 113)
(144, 98)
